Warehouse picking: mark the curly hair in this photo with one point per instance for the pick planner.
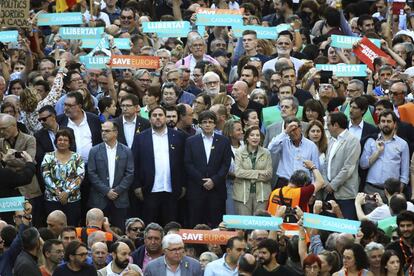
(29, 99)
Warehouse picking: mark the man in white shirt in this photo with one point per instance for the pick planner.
(120, 262)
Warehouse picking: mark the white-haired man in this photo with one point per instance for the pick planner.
(211, 83)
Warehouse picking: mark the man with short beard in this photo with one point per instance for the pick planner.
(120, 264)
(53, 252)
(385, 156)
(75, 261)
(268, 265)
(172, 117)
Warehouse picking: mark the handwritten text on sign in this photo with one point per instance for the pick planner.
(206, 236)
(125, 62)
(14, 13)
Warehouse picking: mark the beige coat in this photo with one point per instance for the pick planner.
(245, 174)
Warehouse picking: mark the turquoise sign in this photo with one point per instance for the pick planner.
(219, 19)
(262, 32)
(9, 36)
(10, 204)
(95, 62)
(331, 224)
(167, 28)
(80, 33)
(121, 43)
(344, 70)
(346, 42)
(252, 222)
(59, 19)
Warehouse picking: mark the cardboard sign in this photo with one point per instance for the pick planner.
(137, 62)
(95, 62)
(346, 42)
(121, 43)
(252, 222)
(367, 52)
(344, 70)
(219, 11)
(59, 19)
(219, 19)
(206, 236)
(80, 33)
(10, 204)
(14, 13)
(9, 36)
(167, 28)
(331, 224)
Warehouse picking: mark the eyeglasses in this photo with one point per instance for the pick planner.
(175, 250)
(135, 229)
(212, 83)
(127, 17)
(82, 254)
(44, 118)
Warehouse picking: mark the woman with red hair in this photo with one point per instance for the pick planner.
(312, 265)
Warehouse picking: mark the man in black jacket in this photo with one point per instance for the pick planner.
(26, 262)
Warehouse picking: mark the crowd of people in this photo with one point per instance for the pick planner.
(113, 163)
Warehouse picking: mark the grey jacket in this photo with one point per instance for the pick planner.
(188, 267)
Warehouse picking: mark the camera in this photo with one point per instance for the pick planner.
(290, 215)
(369, 197)
(18, 154)
(326, 206)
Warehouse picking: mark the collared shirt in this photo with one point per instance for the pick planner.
(292, 157)
(356, 130)
(52, 137)
(220, 268)
(83, 137)
(147, 259)
(111, 154)
(393, 162)
(162, 178)
(208, 144)
(333, 151)
(129, 130)
(109, 271)
(169, 271)
(297, 63)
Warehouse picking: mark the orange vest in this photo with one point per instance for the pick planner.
(291, 197)
(406, 112)
(87, 231)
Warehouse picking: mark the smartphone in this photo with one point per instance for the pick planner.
(18, 154)
(326, 76)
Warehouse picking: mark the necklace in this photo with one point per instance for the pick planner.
(408, 260)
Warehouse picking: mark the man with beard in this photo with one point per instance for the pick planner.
(120, 264)
(404, 245)
(211, 83)
(53, 252)
(75, 261)
(242, 102)
(172, 116)
(268, 251)
(385, 157)
(250, 75)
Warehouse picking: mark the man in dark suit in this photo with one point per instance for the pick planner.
(207, 162)
(87, 131)
(130, 123)
(111, 172)
(159, 155)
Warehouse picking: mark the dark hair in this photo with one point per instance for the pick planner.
(206, 99)
(133, 98)
(245, 116)
(271, 245)
(171, 225)
(332, 258)
(8, 234)
(392, 186)
(248, 131)
(65, 133)
(30, 238)
(285, 68)
(155, 91)
(115, 125)
(333, 18)
(253, 69)
(47, 246)
(157, 107)
(311, 259)
(386, 113)
(292, 248)
(46, 234)
(340, 119)
(405, 216)
(47, 108)
(361, 102)
(313, 105)
(133, 87)
(207, 114)
(362, 18)
(248, 32)
(43, 83)
(181, 110)
(104, 102)
(291, 119)
(300, 178)
(384, 260)
(360, 256)
(13, 82)
(245, 266)
(71, 249)
(170, 84)
(323, 143)
(68, 229)
(68, 76)
(77, 96)
(8, 104)
(385, 103)
(230, 242)
(285, 33)
(398, 203)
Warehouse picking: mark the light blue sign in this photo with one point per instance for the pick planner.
(346, 42)
(252, 222)
(219, 19)
(282, 27)
(95, 62)
(9, 36)
(80, 33)
(59, 19)
(201, 30)
(167, 28)
(331, 224)
(10, 204)
(262, 32)
(344, 70)
(121, 43)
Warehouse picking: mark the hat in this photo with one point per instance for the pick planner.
(221, 53)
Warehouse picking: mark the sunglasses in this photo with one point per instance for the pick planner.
(44, 118)
(127, 17)
(135, 229)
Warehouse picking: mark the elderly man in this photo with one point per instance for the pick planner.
(176, 76)
(56, 221)
(174, 256)
(211, 83)
(242, 101)
(99, 254)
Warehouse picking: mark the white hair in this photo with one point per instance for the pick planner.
(171, 238)
(210, 74)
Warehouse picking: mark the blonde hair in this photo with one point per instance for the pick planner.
(28, 99)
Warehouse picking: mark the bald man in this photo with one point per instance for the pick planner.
(120, 262)
(56, 221)
(242, 102)
(95, 221)
(11, 140)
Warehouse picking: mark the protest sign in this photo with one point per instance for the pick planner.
(10, 204)
(95, 62)
(219, 19)
(252, 222)
(219, 11)
(330, 223)
(59, 19)
(367, 52)
(80, 33)
(137, 62)
(14, 13)
(344, 70)
(167, 28)
(261, 31)
(9, 36)
(206, 236)
(346, 42)
(120, 43)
